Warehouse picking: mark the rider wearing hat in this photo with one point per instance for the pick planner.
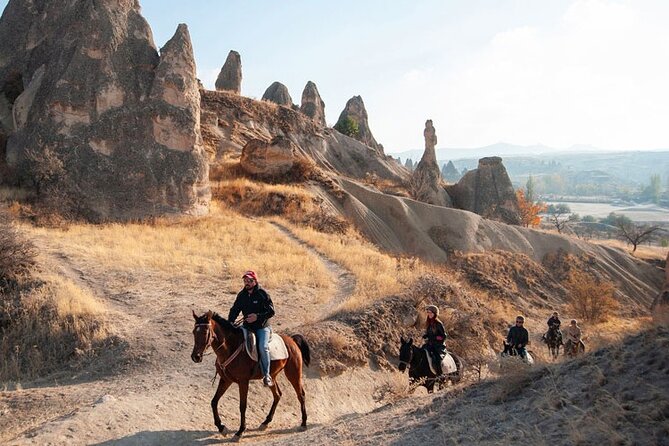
(434, 336)
(256, 306)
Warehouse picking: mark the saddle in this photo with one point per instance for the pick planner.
(277, 347)
(447, 363)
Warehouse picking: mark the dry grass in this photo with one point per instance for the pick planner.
(377, 274)
(294, 203)
(224, 244)
(643, 252)
(51, 324)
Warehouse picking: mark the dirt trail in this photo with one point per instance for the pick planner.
(153, 393)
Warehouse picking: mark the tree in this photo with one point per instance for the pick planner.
(653, 192)
(635, 234)
(348, 126)
(560, 216)
(529, 187)
(529, 211)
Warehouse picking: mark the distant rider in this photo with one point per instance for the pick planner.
(554, 322)
(518, 337)
(434, 336)
(257, 307)
(573, 337)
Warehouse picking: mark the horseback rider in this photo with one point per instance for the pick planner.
(554, 323)
(257, 308)
(573, 337)
(434, 336)
(518, 337)
(554, 320)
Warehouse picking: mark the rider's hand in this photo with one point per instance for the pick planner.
(251, 318)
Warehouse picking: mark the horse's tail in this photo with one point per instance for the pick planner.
(304, 348)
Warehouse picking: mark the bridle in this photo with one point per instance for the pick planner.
(211, 335)
(407, 363)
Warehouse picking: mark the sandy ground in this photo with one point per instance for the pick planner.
(150, 392)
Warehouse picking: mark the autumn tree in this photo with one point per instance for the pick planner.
(529, 211)
(635, 234)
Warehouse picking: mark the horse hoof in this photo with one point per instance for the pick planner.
(303, 427)
(222, 430)
(263, 426)
(237, 437)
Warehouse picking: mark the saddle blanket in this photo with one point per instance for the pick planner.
(277, 348)
(447, 364)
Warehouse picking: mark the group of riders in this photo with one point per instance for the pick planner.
(257, 308)
(517, 338)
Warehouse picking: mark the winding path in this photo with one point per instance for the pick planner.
(153, 393)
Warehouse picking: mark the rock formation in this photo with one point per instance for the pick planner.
(426, 180)
(269, 159)
(230, 77)
(356, 114)
(487, 191)
(278, 93)
(98, 117)
(661, 303)
(312, 104)
(450, 173)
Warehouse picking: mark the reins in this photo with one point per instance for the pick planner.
(212, 335)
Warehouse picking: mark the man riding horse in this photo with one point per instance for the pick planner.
(257, 308)
(573, 338)
(518, 337)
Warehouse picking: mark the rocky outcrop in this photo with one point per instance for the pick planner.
(92, 101)
(312, 104)
(487, 191)
(426, 182)
(450, 173)
(269, 159)
(353, 121)
(230, 121)
(230, 77)
(278, 93)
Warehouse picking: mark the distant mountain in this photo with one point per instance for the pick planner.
(504, 149)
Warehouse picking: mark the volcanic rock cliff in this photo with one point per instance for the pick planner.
(97, 116)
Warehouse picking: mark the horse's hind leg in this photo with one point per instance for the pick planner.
(276, 391)
(223, 385)
(294, 374)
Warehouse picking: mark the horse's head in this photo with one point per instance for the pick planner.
(203, 332)
(406, 353)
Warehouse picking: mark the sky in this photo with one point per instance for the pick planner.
(552, 72)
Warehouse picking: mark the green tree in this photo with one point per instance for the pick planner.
(529, 187)
(348, 126)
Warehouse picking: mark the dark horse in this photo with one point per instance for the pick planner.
(419, 369)
(235, 366)
(553, 340)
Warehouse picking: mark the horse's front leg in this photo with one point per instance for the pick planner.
(223, 385)
(243, 394)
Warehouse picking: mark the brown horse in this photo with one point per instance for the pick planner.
(235, 366)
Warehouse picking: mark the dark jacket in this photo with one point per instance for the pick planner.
(553, 320)
(257, 302)
(435, 333)
(518, 336)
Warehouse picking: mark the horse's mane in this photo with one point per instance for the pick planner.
(223, 322)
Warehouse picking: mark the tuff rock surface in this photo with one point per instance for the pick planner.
(230, 77)
(426, 180)
(269, 159)
(278, 93)
(312, 104)
(487, 191)
(355, 111)
(98, 118)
